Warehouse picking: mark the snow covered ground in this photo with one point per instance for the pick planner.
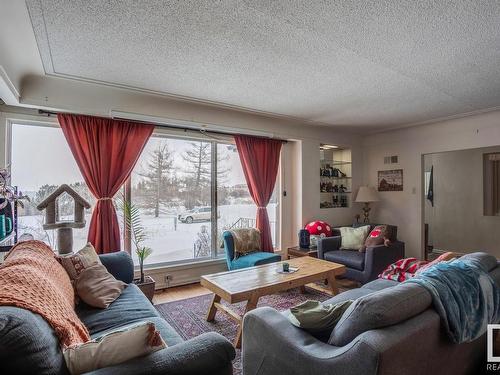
(169, 240)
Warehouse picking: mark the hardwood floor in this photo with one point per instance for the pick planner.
(177, 293)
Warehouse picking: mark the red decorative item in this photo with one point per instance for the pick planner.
(319, 227)
(260, 158)
(106, 151)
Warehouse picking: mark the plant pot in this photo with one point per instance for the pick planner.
(147, 287)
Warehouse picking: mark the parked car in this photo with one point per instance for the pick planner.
(196, 214)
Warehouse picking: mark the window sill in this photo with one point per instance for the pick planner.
(187, 264)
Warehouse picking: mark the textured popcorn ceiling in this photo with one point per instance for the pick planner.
(361, 63)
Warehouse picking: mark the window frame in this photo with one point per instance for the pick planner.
(168, 133)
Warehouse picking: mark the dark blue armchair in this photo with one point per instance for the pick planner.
(250, 260)
(361, 266)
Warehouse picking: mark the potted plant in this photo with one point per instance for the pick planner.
(137, 233)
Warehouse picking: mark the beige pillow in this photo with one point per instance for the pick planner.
(76, 263)
(114, 348)
(97, 287)
(353, 238)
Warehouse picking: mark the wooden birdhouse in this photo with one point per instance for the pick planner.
(64, 228)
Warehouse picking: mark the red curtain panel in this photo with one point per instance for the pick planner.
(260, 161)
(106, 151)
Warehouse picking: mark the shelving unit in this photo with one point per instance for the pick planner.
(335, 177)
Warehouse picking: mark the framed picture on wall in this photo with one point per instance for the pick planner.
(391, 180)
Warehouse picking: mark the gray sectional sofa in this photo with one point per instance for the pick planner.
(395, 331)
(28, 345)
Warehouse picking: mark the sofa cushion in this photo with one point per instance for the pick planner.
(487, 261)
(351, 259)
(131, 307)
(495, 274)
(28, 344)
(380, 284)
(254, 259)
(380, 309)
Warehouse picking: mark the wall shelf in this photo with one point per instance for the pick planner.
(335, 161)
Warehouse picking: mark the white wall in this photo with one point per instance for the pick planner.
(405, 208)
(457, 221)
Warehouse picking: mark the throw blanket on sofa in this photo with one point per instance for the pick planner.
(31, 278)
(246, 240)
(464, 295)
(405, 269)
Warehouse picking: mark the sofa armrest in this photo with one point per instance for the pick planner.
(328, 244)
(209, 353)
(265, 330)
(120, 265)
(377, 258)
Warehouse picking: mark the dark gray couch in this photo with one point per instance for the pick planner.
(28, 345)
(406, 337)
(361, 267)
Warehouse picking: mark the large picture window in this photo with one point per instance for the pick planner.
(188, 191)
(40, 161)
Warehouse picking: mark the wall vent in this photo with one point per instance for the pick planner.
(391, 159)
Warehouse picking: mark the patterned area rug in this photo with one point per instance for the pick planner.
(187, 316)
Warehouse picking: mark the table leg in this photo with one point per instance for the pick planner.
(303, 289)
(332, 283)
(212, 309)
(251, 304)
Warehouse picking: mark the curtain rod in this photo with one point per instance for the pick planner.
(166, 126)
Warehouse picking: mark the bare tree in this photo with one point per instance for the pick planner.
(198, 172)
(157, 181)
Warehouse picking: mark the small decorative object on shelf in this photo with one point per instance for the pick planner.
(133, 222)
(335, 176)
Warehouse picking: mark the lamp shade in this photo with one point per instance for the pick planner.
(367, 194)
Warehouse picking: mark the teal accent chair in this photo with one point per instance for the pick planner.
(250, 260)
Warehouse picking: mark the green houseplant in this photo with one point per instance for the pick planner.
(133, 225)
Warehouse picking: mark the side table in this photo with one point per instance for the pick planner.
(297, 252)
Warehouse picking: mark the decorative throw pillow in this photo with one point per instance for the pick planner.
(313, 316)
(76, 263)
(353, 238)
(97, 287)
(380, 235)
(246, 240)
(113, 348)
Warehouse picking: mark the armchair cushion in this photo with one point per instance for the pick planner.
(254, 259)
(353, 238)
(351, 259)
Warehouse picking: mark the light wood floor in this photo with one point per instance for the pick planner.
(177, 293)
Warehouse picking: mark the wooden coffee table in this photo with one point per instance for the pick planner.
(249, 284)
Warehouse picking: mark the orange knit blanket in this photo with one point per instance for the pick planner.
(32, 279)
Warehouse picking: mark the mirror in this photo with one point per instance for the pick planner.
(462, 201)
